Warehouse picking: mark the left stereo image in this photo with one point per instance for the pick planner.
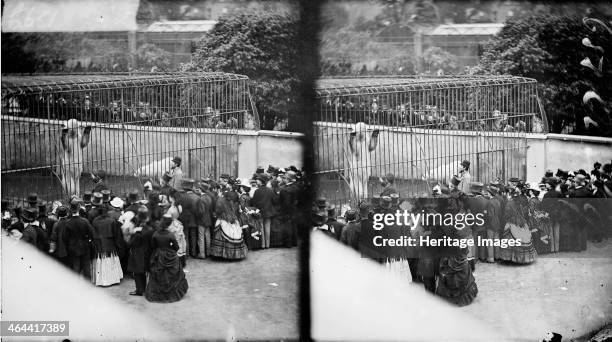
(152, 177)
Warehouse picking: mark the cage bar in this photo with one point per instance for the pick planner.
(427, 126)
(137, 122)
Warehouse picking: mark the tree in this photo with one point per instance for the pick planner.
(439, 59)
(259, 45)
(549, 49)
(153, 58)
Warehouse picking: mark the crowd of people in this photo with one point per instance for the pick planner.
(104, 236)
(559, 214)
(373, 112)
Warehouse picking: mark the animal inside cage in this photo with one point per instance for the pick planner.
(420, 130)
(59, 130)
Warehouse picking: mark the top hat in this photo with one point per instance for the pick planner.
(166, 177)
(87, 196)
(350, 215)
(548, 173)
(5, 205)
(97, 199)
(597, 165)
(32, 198)
(29, 214)
(187, 184)
(259, 170)
(100, 174)
(177, 160)
(476, 188)
(465, 163)
(105, 196)
(62, 211)
(42, 207)
(133, 197)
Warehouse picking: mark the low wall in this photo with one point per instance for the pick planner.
(435, 154)
(566, 152)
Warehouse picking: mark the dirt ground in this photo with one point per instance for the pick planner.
(568, 293)
(256, 298)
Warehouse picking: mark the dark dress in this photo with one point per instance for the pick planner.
(167, 281)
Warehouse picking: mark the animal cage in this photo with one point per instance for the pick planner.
(58, 130)
(425, 127)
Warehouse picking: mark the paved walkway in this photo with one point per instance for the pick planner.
(256, 298)
(568, 293)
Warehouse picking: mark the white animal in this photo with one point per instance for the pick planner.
(443, 172)
(361, 144)
(154, 169)
(73, 143)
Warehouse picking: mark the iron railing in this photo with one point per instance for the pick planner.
(426, 127)
(136, 124)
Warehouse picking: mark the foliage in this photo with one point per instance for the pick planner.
(60, 52)
(437, 58)
(549, 49)
(152, 58)
(261, 46)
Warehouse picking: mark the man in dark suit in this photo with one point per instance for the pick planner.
(206, 207)
(140, 251)
(351, 233)
(263, 199)
(78, 236)
(191, 217)
(288, 198)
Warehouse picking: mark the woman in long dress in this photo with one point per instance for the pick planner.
(456, 281)
(227, 240)
(176, 227)
(110, 247)
(167, 282)
(517, 228)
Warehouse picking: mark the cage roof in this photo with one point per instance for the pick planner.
(69, 15)
(173, 26)
(489, 29)
(372, 85)
(56, 82)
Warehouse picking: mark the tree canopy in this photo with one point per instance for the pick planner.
(549, 48)
(259, 45)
